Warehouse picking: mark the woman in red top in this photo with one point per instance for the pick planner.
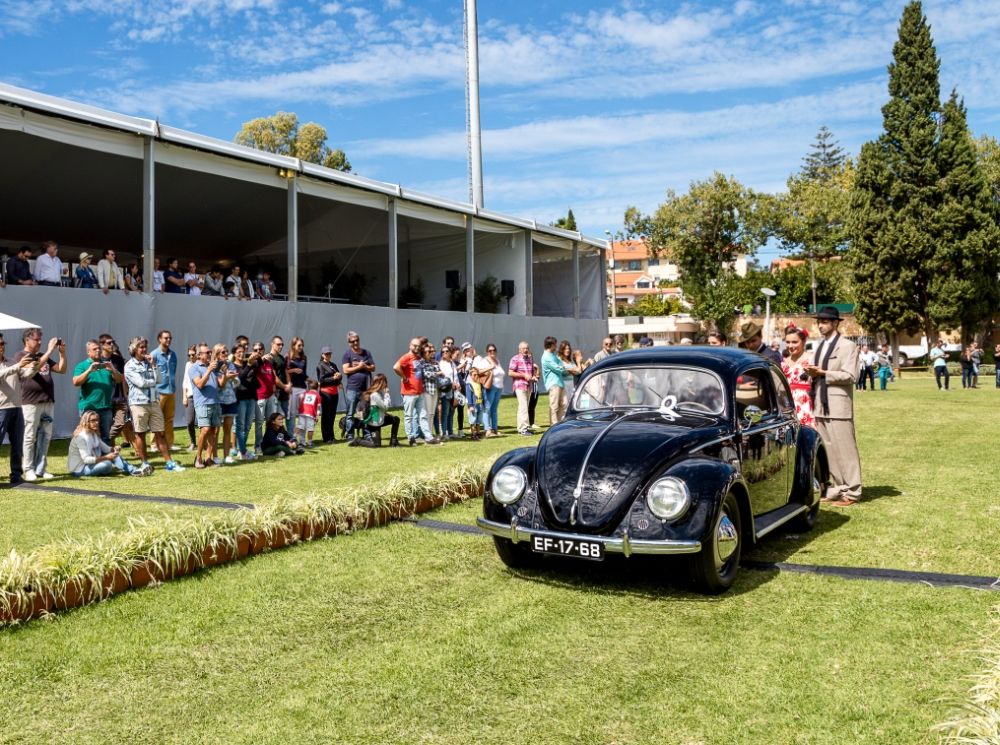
(794, 368)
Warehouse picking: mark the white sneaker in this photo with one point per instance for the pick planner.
(230, 460)
(175, 448)
(29, 476)
(47, 475)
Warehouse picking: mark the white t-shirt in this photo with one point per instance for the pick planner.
(193, 289)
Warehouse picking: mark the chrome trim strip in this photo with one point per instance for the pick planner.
(624, 545)
(778, 523)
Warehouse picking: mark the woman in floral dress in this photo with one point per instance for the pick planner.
(794, 368)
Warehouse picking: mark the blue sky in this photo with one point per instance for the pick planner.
(587, 104)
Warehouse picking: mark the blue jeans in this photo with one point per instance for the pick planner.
(492, 406)
(105, 468)
(246, 412)
(447, 402)
(12, 425)
(351, 399)
(415, 418)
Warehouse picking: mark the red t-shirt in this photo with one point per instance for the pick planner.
(265, 380)
(411, 384)
(309, 404)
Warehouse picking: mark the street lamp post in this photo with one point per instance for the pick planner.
(614, 293)
(768, 293)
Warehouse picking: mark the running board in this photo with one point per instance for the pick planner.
(776, 518)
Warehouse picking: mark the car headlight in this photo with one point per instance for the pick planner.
(509, 484)
(668, 498)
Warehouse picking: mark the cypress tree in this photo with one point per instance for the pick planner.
(896, 194)
(963, 286)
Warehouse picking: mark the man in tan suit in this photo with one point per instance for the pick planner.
(834, 372)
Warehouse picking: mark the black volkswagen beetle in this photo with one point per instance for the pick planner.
(674, 450)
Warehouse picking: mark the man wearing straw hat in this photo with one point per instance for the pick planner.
(834, 372)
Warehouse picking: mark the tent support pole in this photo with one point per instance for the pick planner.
(293, 239)
(529, 288)
(393, 255)
(576, 280)
(148, 211)
(470, 265)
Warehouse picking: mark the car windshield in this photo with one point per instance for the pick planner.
(647, 387)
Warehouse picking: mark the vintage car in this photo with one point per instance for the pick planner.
(674, 450)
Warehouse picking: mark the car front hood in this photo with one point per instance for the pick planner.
(589, 468)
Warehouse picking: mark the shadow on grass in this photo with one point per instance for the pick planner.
(871, 493)
(666, 577)
(649, 577)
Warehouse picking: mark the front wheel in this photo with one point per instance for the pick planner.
(714, 568)
(515, 555)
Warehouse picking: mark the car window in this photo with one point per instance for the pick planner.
(647, 387)
(753, 388)
(784, 396)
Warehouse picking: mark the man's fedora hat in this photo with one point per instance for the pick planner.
(828, 313)
(748, 330)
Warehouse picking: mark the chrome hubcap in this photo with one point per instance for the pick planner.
(726, 540)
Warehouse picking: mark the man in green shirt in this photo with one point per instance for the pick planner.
(96, 379)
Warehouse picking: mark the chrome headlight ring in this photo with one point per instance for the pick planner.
(509, 484)
(668, 498)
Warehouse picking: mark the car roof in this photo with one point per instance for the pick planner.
(724, 361)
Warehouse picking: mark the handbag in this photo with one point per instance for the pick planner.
(459, 399)
(485, 378)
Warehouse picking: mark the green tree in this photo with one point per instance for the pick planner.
(651, 305)
(281, 133)
(988, 155)
(566, 223)
(703, 232)
(825, 158)
(963, 285)
(896, 194)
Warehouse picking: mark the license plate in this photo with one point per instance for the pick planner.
(574, 547)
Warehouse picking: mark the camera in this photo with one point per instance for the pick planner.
(804, 377)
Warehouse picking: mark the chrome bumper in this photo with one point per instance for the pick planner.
(624, 545)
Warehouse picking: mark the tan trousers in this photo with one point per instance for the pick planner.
(168, 403)
(523, 424)
(842, 453)
(557, 404)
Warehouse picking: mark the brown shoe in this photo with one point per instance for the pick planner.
(843, 503)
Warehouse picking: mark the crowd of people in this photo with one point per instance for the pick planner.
(106, 275)
(448, 391)
(233, 392)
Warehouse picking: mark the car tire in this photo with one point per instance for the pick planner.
(714, 568)
(807, 521)
(516, 555)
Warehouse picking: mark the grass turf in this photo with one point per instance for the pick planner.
(409, 635)
(406, 635)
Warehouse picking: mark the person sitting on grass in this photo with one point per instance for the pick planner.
(90, 456)
(277, 441)
(374, 405)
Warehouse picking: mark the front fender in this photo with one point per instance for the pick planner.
(525, 458)
(708, 482)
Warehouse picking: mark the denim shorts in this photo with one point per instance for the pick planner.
(208, 416)
(230, 409)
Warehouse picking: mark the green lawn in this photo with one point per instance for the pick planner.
(408, 635)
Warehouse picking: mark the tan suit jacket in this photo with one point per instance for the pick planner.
(841, 375)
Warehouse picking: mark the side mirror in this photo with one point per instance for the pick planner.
(752, 414)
